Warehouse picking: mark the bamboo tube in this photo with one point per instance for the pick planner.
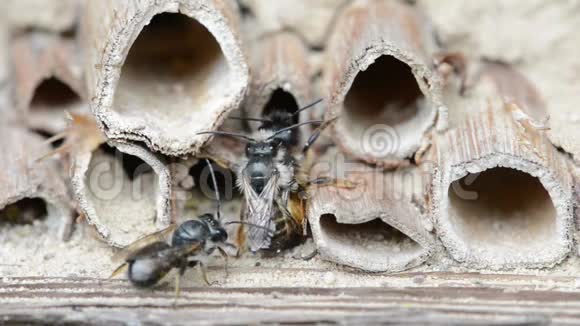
(379, 80)
(48, 80)
(379, 226)
(31, 190)
(502, 195)
(159, 72)
(123, 190)
(282, 77)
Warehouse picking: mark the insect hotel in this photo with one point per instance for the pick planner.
(299, 162)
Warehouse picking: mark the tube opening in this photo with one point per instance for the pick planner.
(24, 211)
(502, 209)
(174, 69)
(280, 100)
(385, 93)
(374, 238)
(123, 190)
(54, 94)
(226, 181)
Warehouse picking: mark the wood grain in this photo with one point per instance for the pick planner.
(122, 205)
(503, 300)
(338, 216)
(378, 73)
(50, 61)
(500, 147)
(21, 177)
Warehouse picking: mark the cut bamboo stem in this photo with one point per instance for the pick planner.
(31, 190)
(502, 195)
(282, 77)
(48, 80)
(379, 80)
(381, 225)
(123, 190)
(159, 72)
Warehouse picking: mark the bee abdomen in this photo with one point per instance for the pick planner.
(285, 234)
(147, 272)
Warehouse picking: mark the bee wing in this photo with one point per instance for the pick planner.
(121, 269)
(260, 209)
(183, 251)
(128, 251)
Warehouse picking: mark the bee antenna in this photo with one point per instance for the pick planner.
(249, 224)
(215, 187)
(294, 127)
(250, 119)
(307, 107)
(230, 134)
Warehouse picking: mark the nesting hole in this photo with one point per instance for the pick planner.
(24, 211)
(174, 69)
(373, 239)
(54, 94)
(202, 198)
(282, 102)
(386, 93)
(502, 209)
(226, 181)
(123, 190)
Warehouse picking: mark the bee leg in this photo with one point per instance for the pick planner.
(331, 182)
(177, 288)
(204, 274)
(178, 281)
(225, 255)
(316, 134)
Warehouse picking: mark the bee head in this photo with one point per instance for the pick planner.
(263, 149)
(217, 233)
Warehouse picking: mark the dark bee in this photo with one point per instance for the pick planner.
(270, 178)
(149, 259)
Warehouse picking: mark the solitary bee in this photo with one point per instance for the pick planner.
(272, 181)
(149, 259)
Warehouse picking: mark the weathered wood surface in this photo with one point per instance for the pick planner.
(151, 94)
(53, 62)
(311, 20)
(378, 77)
(340, 218)
(48, 15)
(281, 79)
(503, 138)
(459, 299)
(472, 29)
(122, 205)
(22, 177)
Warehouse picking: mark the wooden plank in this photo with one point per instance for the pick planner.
(98, 300)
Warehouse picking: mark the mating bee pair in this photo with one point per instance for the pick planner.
(273, 178)
(270, 179)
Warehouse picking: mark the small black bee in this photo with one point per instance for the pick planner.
(271, 180)
(149, 259)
